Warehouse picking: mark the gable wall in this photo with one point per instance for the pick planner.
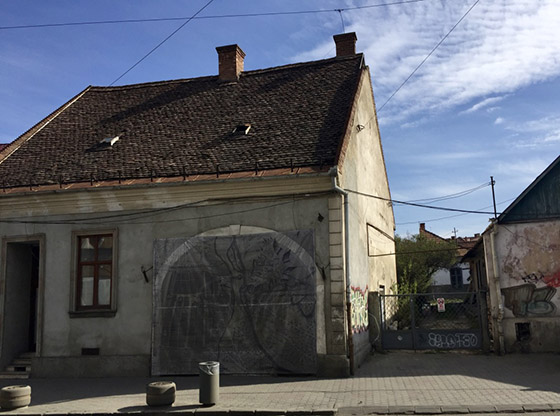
(363, 170)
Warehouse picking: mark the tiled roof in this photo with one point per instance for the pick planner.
(3, 146)
(464, 244)
(298, 115)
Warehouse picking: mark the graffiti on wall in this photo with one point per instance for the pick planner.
(247, 301)
(552, 280)
(359, 307)
(527, 299)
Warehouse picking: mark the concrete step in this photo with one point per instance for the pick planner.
(28, 355)
(6, 375)
(14, 368)
(21, 361)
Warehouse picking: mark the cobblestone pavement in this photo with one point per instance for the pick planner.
(394, 383)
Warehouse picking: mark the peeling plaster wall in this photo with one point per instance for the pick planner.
(529, 270)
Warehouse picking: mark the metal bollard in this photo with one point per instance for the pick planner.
(209, 392)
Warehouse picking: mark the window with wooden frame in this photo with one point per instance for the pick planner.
(95, 280)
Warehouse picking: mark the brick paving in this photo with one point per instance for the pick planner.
(392, 383)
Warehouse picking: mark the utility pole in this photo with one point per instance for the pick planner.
(455, 232)
(492, 182)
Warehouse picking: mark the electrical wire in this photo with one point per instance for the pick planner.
(395, 201)
(109, 219)
(451, 216)
(434, 250)
(195, 17)
(451, 196)
(162, 42)
(428, 56)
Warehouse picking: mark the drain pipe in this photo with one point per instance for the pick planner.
(333, 172)
(495, 270)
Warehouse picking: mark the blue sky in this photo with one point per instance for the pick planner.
(484, 104)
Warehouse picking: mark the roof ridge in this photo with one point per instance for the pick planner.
(299, 64)
(210, 77)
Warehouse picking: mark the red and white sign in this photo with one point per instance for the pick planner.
(441, 304)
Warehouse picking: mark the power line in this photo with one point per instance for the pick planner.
(450, 216)
(428, 56)
(395, 201)
(452, 196)
(131, 217)
(414, 252)
(162, 42)
(195, 17)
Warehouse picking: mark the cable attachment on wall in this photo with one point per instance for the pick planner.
(145, 273)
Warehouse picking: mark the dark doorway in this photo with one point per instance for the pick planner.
(20, 321)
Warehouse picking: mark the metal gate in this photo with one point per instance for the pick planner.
(432, 321)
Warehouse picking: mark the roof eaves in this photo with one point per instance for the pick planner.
(125, 182)
(528, 189)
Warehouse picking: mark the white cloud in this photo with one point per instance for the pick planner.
(500, 47)
(484, 103)
(499, 120)
(536, 133)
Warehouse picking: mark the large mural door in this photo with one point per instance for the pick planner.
(247, 301)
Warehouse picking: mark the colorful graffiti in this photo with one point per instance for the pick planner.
(551, 280)
(527, 300)
(359, 302)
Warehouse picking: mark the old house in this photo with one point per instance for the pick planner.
(457, 277)
(148, 227)
(519, 259)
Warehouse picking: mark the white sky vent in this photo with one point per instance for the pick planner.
(241, 129)
(109, 141)
(104, 144)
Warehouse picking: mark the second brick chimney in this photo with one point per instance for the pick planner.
(230, 62)
(345, 44)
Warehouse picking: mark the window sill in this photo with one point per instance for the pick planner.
(92, 314)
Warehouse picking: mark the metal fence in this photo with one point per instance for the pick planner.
(432, 320)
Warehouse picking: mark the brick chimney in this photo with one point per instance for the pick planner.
(230, 62)
(345, 44)
(422, 227)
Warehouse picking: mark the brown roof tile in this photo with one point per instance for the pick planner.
(170, 128)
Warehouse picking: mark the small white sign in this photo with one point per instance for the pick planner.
(441, 304)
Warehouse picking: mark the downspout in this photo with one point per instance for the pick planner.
(495, 271)
(333, 172)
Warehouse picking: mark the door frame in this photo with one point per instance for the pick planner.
(40, 239)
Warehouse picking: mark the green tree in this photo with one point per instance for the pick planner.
(418, 258)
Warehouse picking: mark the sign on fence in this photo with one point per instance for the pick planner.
(441, 304)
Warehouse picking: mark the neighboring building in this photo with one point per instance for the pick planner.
(519, 258)
(148, 227)
(457, 277)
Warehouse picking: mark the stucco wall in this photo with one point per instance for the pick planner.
(371, 220)
(128, 333)
(529, 270)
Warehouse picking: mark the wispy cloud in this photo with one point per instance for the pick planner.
(500, 47)
(499, 120)
(536, 133)
(484, 103)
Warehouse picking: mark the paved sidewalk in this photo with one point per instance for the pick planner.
(395, 383)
